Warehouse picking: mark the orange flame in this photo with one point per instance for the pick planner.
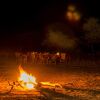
(26, 80)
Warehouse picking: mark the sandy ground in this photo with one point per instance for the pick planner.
(79, 81)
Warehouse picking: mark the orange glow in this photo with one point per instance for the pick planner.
(26, 80)
(76, 15)
(70, 15)
(71, 8)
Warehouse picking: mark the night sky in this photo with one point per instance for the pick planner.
(24, 25)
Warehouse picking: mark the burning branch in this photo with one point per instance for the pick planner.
(12, 86)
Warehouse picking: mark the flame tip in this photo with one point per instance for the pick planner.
(27, 80)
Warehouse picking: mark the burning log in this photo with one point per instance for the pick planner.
(9, 91)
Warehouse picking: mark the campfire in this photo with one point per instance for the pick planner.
(27, 81)
(26, 86)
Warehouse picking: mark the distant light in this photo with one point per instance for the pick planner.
(57, 53)
(72, 14)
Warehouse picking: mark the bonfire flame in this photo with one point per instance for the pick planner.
(26, 80)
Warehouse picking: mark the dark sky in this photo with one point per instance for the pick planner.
(23, 24)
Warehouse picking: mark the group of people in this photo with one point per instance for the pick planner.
(42, 58)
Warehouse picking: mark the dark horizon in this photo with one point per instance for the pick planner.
(25, 26)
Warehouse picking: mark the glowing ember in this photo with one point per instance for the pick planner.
(26, 80)
(51, 84)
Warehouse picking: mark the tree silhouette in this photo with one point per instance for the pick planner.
(60, 36)
(92, 32)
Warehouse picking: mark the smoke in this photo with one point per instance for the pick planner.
(58, 39)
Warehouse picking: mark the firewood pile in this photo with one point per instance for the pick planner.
(48, 91)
